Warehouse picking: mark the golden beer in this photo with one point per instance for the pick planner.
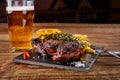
(20, 27)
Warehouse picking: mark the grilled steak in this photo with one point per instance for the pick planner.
(68, 51)
(59, 50)
(51, 46)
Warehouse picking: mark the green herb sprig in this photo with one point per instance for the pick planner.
(60, 36)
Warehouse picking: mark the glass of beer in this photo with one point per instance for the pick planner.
(20, 15)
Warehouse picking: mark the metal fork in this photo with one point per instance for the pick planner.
(100, 49)
(114, 53)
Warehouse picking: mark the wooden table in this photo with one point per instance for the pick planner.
(107, 67)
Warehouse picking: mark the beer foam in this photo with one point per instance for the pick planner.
(19, 8)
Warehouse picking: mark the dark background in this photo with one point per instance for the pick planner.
(73, 11)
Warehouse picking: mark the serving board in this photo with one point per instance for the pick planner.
(88, 61)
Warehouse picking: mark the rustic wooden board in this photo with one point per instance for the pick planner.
(41, 61)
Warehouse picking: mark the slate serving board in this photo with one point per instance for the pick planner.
(42, 61)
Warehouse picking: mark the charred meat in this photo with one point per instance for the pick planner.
(68, 51)
(62, 47)
(59, 50)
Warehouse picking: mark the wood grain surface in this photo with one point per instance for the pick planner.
(107, 67)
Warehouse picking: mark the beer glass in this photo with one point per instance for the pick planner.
(20, 15)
